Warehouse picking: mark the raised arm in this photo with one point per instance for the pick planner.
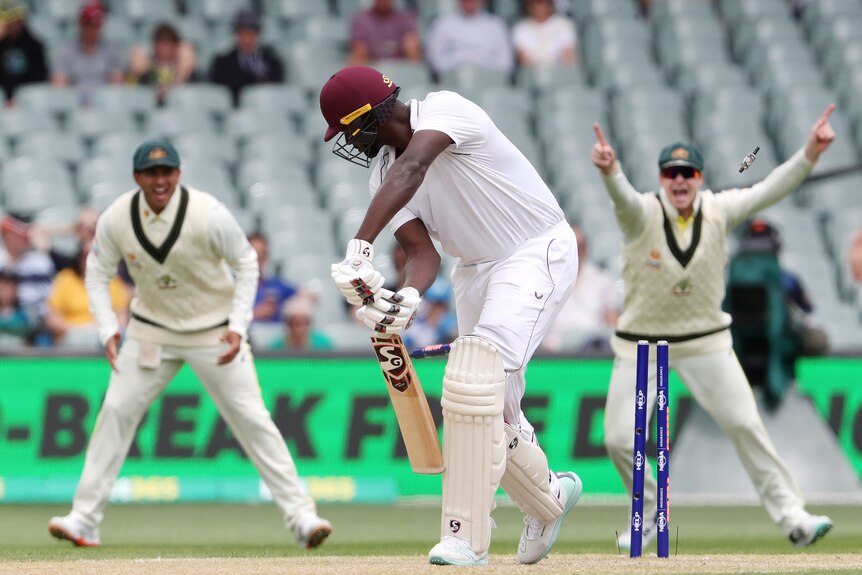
(628, 203)
(741, 204)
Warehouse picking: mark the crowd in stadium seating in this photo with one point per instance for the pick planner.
(233, 84)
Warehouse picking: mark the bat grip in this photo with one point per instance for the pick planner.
(430, 351)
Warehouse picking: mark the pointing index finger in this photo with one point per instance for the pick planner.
(599, 134)
(824, 117)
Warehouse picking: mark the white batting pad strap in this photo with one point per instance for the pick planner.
(474, 445)
(526, 479)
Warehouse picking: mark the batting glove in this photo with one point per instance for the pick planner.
(355, 277)
(391, 313)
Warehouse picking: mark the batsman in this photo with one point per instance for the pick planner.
(444, 171)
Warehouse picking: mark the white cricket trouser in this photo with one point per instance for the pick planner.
(719, 386)
(233, 388)
(512, 303)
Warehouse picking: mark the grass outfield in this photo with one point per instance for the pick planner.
(184, 538)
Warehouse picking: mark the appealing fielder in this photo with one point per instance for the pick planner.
(446, 172)
(675, 255)
(180, 246)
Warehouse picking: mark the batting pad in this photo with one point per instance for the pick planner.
(474, 445)
(526, 480)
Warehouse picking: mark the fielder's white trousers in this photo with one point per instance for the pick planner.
(512, 303)
(719, 386)
(235, 391)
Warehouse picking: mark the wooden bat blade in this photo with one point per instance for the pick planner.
(410, 405)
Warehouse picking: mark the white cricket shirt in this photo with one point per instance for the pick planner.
(481, 198)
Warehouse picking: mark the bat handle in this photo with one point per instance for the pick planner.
(430, 351)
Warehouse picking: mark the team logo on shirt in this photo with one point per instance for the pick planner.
(683, 288)
(166, 282)
(654, 259)
(132, 260)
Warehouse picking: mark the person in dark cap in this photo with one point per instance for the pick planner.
(248, 62)
(195, 278)
(675, 254)
(22, 55)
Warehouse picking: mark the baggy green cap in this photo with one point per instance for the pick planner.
(680, 154)
(152, 153)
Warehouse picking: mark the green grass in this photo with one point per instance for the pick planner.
(205, 530)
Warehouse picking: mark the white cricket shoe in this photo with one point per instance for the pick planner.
(454, 551)
(74, 529)
(809, 530)
(648, 533)
(311, 531)
(538, 537)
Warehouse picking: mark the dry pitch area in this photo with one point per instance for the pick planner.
(593, 564)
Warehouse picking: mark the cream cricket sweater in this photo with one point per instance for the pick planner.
(674, 277)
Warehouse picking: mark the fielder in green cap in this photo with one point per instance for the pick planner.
(195, 277)
(674, 255)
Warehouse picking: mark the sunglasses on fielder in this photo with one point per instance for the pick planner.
(685, 171)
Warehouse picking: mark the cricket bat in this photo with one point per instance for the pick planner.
(410, 404)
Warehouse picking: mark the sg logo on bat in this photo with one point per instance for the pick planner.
(392, 363)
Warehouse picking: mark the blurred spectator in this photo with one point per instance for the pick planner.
(435, 322)
(84, 229)
(383, 33)
(168, 63)
(544, 38)
(299, 335)
(470, 36)
(13, 321)
(68, 305)
(759, 235)
(855, 258)
(90, 60)
(587, 319)
(33, 268)
(248, 62)
(22, 55)
(272, 291)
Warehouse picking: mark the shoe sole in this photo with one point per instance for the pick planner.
(64, 535)
(317, 537)
(437, 560)
(570, 504)
(818, 534)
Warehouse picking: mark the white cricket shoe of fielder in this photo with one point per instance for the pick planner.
(538, 537)
(72, 528)
(650, 530)
(809, 530)
(454, 551)
(311, 531)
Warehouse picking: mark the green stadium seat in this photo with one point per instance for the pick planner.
(171, 122)
(47, 99)
(119, 146)
(473, 78)
(61, 11)
(404, 72)
(204, 147)
(89, 124)
(737, 11)
(274, 99)
(138, 100)
(141, 10)
(102, 194)
(216, 10)
(101, 169)
(815, 13)
(604, 10)
(263, 196)
(545, 79)
(694, 82)
(63, 147)
(310, 65)
(290, 10)
(299, 229)
(662, 10)
(345, 195)
(842, 60)
(211, 98)
(752, 36)
(279, 146)
(831, 33)
(34, 195)
(266, 169)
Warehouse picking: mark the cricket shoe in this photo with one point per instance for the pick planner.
(538, 537)
(311, 531)
(809, 530)
(72, 528)
(648, 533)
(454, 551)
